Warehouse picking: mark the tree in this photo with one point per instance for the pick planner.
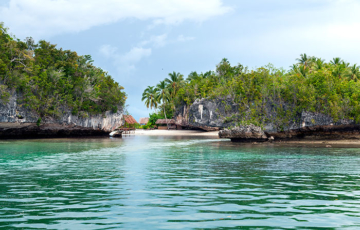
(151, 97)
(354, 72)
(30, 43)
(164, 95)
(319, 64)
(50, 79)
(339, 70)
(336, 61)
(304, 59)
(303, 70)
(223, 67)
(175, 81)
(193, 76)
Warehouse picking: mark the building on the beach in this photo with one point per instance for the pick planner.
(144, 120)
(129, 122)
(167, 124)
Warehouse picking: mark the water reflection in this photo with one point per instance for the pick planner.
(176, 183)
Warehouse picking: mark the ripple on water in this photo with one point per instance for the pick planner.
(171, 183)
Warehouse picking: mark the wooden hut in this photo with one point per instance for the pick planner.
(166, 123)
(129, 122)
(144, 120)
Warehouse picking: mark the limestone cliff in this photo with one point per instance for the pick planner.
(206, 114)
(223, 114)
(16, 121)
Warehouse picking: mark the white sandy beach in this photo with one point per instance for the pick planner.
(176, 133)
(215, 134)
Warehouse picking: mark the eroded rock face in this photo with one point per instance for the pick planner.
(17, 121)
(206, 114)
(12, 112)
(316, 126)
(309, 126)
(244, 133)
(214, 114)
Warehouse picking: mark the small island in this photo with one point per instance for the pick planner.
(313, 99)
(46, 91)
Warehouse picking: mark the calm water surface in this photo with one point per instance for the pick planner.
(176, 183)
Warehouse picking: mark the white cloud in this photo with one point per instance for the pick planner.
(326, 32)
(47, 18)
(157, 41)
(125, 62)
(182, 38)
(135, 55)
(162, 40)
(108, 51)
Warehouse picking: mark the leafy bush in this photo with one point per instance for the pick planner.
(38, 122)
(153, 118)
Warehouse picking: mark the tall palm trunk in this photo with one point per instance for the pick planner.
(167, 124)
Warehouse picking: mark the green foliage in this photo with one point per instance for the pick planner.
(162, 96)
(51, 79)
(331, 88)
(147, 126)
(4, 94)
(38, 122)
(153, 117)
(151, 97)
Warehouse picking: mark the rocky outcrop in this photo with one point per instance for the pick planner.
(16, 121)
(244, 133)
(206, 114)
(116, 133)
(308, 125)
(315, 126)
(223, 114)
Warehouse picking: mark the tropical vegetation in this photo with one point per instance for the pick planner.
(162, 96)
(311, 84)
(50, 80)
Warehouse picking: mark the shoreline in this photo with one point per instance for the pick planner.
(145, 132)
(326, 143)
(351, 143)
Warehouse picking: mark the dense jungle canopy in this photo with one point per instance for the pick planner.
(311, 84)
(50, 80)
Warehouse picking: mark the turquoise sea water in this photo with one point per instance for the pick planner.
(176, 183)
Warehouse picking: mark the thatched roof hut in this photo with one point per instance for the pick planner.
(165, 121)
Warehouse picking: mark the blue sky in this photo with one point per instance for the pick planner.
(140, 41)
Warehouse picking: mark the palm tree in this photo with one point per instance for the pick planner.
(304, 59)
(294, 68)
(164, 94)
(339, 71)
(303, 70)
(336, 61)
(319, 64)
(174, 82)
(354, 72)
(193, 76)
(151, 97)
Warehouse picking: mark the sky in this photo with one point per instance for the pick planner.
(140, 41)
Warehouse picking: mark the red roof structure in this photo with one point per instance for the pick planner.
(129, 119)
(144, 120)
